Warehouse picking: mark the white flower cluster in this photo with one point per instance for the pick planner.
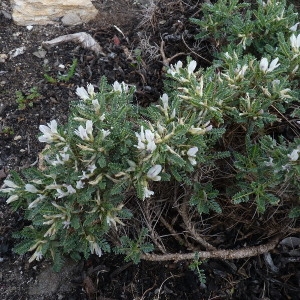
(295, 42)
(152, 174)
(175, 70)
(192, 155)
(294, 27)
(165, 107)
(120, 87)
(86, 134)
(294, 155)
(146, 140)
(37, 255)
(9, 187)
(61, 158)
(89, 93)
(201, 130)
(265, 67)
(84, 94)
(50, 133)
(94, 247)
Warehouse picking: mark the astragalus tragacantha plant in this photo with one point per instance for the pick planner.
(106, 152)
(103, 177)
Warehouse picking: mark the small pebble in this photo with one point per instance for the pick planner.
(18, 137)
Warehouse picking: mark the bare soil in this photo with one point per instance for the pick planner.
(130, 34)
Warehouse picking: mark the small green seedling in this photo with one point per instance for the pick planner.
(7, 131)
(27, 100)
(65, 77)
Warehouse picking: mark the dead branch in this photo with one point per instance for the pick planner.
(220, 254)
(194, 51)
(84, 39)
(166, 61)
(154, 235)
(189, 226)
(175, 234)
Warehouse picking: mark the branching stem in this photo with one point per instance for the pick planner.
(220, 254)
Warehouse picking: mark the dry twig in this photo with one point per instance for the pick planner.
(220, 254)
(84, 39)
(183, 212)
(166, 61)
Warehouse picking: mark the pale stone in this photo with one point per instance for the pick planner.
(71, 19)
(42, 12)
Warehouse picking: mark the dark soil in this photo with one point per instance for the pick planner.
(132, 55)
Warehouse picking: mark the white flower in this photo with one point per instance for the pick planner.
(66, 224)
(265, 67)
(31, 188)
(79, 185)
(10, 184)
(102, 117)
(61, 193)
(295, 42)
(70, 189)
(132, 166)
(86, 94)
(146, 140)
(227, 55)
(147, 193)
(153, 173)
(92, 168)
(294, 155)
(96, 104)
(85, 176)
(37, 255)
(275, 82)
(50, 133)
(191, 66)
(161, 129)
(164, 98)
(52, 230)
(86, 133)
(200, 130)
(270, 162)
(294, 27)
(173, 70)
(82, 93)
(273, 65)
(12, 198)
(94, 247)
(192, 154)
(105, 133)
(240, 71)
(61, 158)
(36, 201)
(120, 87)
(64, 155)
(90, 89)
(284, 94)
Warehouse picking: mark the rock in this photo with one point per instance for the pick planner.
(3, 58)
(42, 12)
(71, 19)
(16, 52)
(49, 283)
(40, 53)
(6, 14)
